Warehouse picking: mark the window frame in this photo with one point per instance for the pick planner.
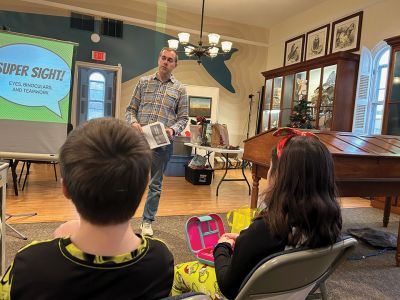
(89, 101)
(374, 101)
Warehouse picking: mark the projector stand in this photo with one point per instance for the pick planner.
(9, 216)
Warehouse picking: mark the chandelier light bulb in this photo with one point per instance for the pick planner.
(226, 46)
(189, 50)
(197, 51)
(184, 37)
(173, 44)
(213, 52)
(213, 39)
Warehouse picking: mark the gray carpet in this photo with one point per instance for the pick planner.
(375, 277)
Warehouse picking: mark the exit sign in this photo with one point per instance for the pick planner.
(98, 55)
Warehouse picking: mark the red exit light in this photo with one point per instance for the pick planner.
(98, 55)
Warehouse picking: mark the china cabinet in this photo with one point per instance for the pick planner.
(330, 86)
(391, 115)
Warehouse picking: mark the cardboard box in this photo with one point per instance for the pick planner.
(198, 176)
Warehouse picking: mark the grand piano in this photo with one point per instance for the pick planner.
(365, 166)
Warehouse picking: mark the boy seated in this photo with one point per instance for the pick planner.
(105, 167)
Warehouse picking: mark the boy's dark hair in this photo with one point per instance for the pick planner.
(301, 205)
(105, 166)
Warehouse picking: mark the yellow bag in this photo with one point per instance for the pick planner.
(240, 218)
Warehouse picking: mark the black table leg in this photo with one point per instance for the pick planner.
(226, 170)
(13, 166)
(226, 156)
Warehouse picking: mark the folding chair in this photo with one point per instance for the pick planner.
(296, 273)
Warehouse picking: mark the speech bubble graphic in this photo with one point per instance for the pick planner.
(33, 76)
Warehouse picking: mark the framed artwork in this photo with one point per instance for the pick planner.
(200, 106)
(317, 42)
(294, 50)
(346, 33)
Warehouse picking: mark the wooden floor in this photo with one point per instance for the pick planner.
(42, 194)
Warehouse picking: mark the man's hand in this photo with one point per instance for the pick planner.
(137, 126)
(170, 132)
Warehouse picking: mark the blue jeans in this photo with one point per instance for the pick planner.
(159, 163)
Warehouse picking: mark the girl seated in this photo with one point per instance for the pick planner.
(301, 210)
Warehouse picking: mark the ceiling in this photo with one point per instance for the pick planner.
(263, 13)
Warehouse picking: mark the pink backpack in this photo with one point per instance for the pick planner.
(202, 234)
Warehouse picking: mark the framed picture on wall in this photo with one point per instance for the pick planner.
(294, 50)
(317, 42)
(346, 33)
(200, 106)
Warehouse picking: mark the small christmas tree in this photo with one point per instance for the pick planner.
(301, 116)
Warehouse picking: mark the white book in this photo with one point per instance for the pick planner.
(155, 135)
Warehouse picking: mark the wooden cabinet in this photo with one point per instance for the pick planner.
(391, 115)
(331, 89)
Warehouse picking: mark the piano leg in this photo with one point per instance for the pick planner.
(386, 214)
(386, 211)
(398, 248)
(254, 191)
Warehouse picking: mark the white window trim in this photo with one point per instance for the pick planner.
(377, 53)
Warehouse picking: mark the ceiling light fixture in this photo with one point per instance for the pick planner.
(212, 50)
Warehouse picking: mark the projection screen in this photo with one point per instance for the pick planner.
(35, 86)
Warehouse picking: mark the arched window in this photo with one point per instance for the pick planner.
(96, 96)
(378, 91)
(371, 89)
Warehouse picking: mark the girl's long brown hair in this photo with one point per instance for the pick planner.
(301, 203)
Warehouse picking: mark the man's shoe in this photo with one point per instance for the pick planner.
(146, 228)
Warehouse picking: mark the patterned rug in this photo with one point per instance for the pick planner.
(373, 277)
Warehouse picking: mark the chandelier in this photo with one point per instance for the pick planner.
(211, 50)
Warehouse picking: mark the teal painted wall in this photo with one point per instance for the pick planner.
(137, 51)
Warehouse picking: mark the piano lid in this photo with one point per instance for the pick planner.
(257, 149)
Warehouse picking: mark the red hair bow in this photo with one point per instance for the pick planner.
(289, 133)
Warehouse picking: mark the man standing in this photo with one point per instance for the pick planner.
(158, 98)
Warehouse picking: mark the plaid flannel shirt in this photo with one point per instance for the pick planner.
(157, 101)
